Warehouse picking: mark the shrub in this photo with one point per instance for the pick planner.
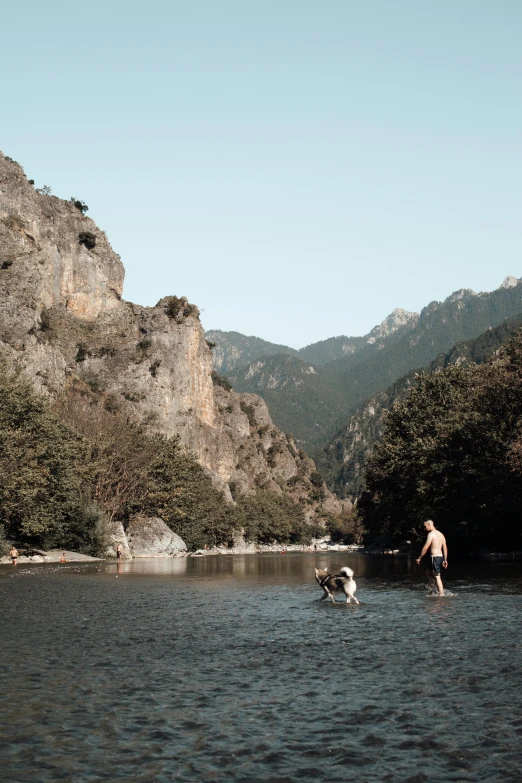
(154, 367)
(103, 351)
(210, 344)
(111, 403)
(249, 412)
(144, 344)
(219, 380)
(15, 222)
(95, 384)
(80, 205)
(273, 451)
(45, 320)
(82, 353)
(44, 191)
(31, 181)
(88, 239)
(6, 263)
(176, 307)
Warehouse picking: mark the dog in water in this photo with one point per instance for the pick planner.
(343, 582)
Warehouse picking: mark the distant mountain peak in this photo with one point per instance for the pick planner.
(391, 323)
(509, 282)
(462, 293)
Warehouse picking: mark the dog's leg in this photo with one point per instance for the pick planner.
(327, 593)
(355, 599)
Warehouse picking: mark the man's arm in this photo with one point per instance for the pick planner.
(425, 548)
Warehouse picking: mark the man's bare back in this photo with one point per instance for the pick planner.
(436, 541)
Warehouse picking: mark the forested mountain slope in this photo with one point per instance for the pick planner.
(343, 460)
(232, 349)
(332, 392)
(295, 393)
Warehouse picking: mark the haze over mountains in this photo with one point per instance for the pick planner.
(314, 391)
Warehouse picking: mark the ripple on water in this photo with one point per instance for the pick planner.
(235, 671)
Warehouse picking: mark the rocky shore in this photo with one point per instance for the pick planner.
(48, 556)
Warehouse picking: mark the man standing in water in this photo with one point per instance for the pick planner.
(13, 554)
(438, 556)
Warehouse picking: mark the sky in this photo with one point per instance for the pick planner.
(296, 168)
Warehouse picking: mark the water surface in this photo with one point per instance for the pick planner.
(231, 669)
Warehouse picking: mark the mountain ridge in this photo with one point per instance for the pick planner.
(343, 459)
(335, 389)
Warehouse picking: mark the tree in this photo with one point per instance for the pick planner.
(42, 497)
(446, 453)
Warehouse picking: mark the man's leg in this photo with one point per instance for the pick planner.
(431, 580)
(440, 586)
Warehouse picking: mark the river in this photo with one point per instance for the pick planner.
(231, 669)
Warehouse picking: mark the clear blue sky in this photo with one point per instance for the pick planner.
(297, 168)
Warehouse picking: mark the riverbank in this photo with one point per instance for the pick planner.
(55, 555)
(49, 556)
(253, 549)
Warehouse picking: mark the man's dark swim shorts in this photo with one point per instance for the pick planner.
(436, 564)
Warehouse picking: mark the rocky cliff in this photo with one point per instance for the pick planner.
(62, 315)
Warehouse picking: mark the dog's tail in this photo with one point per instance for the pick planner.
(347, 572)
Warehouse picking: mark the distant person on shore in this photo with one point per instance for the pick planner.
(437, 557)
(63, 559)
(119, 551)
(13, 554)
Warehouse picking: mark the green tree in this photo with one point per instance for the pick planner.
(446, 452)
(42, 497)
(266, 517)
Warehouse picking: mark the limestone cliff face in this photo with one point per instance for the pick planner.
(61, 314)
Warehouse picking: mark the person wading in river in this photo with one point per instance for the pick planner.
(13, 554)
(437, 557)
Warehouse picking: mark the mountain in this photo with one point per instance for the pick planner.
(232, 349)
(343, 460)
(295, 394)
(404, 341)
(62, 319)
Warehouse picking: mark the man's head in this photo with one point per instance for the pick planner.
(429, 525)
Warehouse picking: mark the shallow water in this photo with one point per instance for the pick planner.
(232, 669)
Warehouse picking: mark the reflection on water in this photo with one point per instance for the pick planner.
(232, 669)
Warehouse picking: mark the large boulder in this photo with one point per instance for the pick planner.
(116, 535)
(151, 537)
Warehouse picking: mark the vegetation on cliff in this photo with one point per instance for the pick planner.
(66, 470)
(452, 451)
(43, 499)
